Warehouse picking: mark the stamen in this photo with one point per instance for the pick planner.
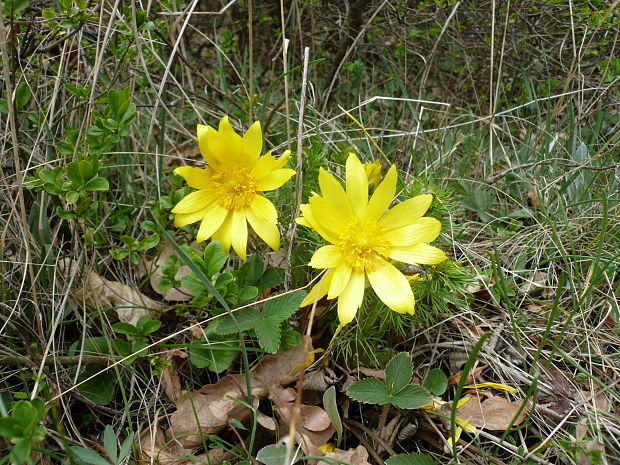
(361, 242)
(237, 186)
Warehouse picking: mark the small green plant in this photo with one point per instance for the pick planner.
(115, 456)
(396, 389)
(22, 428)
(134, 246)
(137, 337)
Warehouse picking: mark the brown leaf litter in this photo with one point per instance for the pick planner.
(96, 291)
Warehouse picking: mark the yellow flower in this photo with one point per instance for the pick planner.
(363, 235)
(230, 187)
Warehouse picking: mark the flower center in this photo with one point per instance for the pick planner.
(236, 186)
(362, 241)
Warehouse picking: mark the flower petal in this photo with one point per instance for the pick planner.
(425, 230)
(253, 143)
(307, 219)
(328, 217)
(383, 195)
(239, 233)
(417, 254)
(351, 298)
(226, 145)
(205, 134)
(334, 194)
(357, 185)
(391, 286)
(195, 201)
(183, 219)
(214, 216)
(342, 274)
(280, 162)
(328, 256)
(198, 178)
(274, 179)
(319, 290)
(407, 212)
(263, 208)
(264, 165)
(266, 230)
(224, 234)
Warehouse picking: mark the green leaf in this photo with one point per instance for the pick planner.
(22, 96)
(109, 443)
(125, 448)
(247, 294)
(72, 197)
(369, 391)
(97, 184)
(268, 332)
(4, 106)
(99, 389)
(275, 454)
(214, 258)
(126, 328)
(282, 307)
(10, 428)
(73, 173)
(398, 372)
(243, 320)
(411, 397)
(410, 459)
(436, 381)
(253, 269)
(329, 404)
(21, 450)
(272, 277)
(217, 354)
(90, 457)
(119, 254)
(149, 242)
(150, 327)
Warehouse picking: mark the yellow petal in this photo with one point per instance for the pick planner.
(239, 233)
(327, 448)
(407, 212)
(266, 230)
(198, 178)
(328, 256)
(263, 208)
(357, 185)
(206, 133)
(492, 385)
(342, 274)
(183, 219)
(351, 298)
(425, 230)
(319, 290)
(280, 162)
(195, 201)
(417, 254)
(391, 287)
(383, 196)
(308, 219)
(224, 234)
(214, 216)
(465, 425)
(329, 217)
(253, 142)
(274, 179)
(264, 165)
(231, 140)
(334, 194)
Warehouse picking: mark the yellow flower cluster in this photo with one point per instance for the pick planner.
(364, 235)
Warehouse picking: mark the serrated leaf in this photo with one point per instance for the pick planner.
(240, 320)
(411, 397)
(329, 404)
(398, 372)
(282, 307)
(410, 459)
(369, 391)
(436, 381)
(268, 332)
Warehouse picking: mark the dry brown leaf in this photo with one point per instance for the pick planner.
(494, 413)
(171, 295)
(313, 427)
(99, 292)
(214, 405)
(473, 374)
(379, 374)
(169, 377)
(357, 456)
